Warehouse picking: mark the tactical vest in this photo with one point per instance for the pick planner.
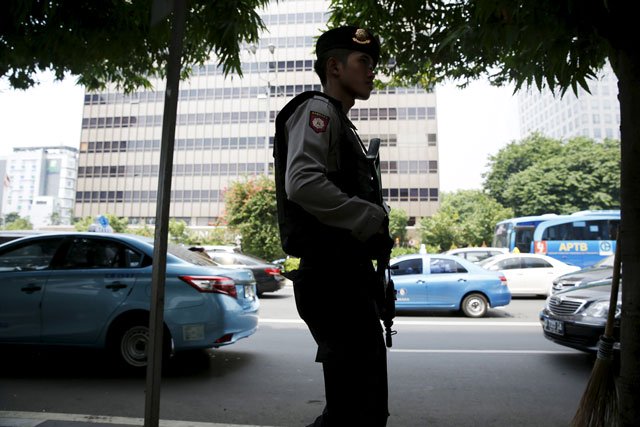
(302, 234)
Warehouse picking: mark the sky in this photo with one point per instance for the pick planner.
(473, 123)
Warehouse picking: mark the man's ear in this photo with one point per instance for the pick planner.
(334, 66)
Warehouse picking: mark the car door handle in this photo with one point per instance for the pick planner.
(462, 280)
(31, 288)
(421, 282)
(115, 286)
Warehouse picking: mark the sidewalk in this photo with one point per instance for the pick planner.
(50, 419)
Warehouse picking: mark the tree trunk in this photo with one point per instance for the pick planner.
(628, 72)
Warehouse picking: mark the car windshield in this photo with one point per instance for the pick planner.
(605, 262)
(236, 259)
(193, 257)
(487, 260)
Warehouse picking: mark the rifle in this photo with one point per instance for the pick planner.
(387, 299)
(388, 304)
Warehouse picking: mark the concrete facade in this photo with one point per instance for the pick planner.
(595, 115)
(225, 130)
(35, 172)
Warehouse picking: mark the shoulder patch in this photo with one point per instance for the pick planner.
(318, 122)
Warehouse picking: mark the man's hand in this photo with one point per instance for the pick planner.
(380, 244)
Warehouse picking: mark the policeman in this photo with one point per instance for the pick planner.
(331, 215)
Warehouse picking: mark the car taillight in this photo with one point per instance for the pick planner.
(272, 271)
(503, 280)
(212, 284)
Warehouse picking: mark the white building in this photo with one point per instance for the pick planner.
(43, 174)
(225, 127)
(595, 115)
(5, 180)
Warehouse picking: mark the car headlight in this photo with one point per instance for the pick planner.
(600, 309)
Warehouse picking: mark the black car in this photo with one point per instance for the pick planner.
(576, 317)
(601, 270)
(268, 276)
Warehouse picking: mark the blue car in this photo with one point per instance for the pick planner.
(94, 290)
(446, 282)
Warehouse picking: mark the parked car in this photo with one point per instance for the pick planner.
(446, 282)
(576, 317)
(528, 274)
(476, 254)
(93, 290)
(602, 269)
(268, 276)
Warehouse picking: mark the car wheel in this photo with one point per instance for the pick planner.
(475, 305)
(134, 341)
(130, 343)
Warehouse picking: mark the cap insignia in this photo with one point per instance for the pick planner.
(361, 36)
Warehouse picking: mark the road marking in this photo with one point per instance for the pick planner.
(464, 323)
(453, 351)
(21, 419)
(423, 323)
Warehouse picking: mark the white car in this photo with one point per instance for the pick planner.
(476, 254)
(528, 274)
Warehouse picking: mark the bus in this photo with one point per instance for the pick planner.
(582, 238)
(518, 232)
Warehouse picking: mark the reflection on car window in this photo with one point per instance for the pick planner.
(100, 253)
(606, 262)
(224, 259)
(535, 263)
(409, 266)
(509, 264)
(477, 256)
(441, 265)
(190, 256)
(228, 258)
(132, 259)
(30, 256)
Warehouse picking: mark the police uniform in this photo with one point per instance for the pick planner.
(330, 213)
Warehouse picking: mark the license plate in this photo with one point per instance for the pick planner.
(553, 326)
(249, 292)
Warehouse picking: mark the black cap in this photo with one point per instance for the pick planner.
(351, 38)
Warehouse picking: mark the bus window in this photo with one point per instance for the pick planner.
(524, 237)
(501, 236)
(612, 230)
(579, 230)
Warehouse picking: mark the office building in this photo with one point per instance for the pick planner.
(5, 181)
(40, 184)
(595, 115)
(225, 130)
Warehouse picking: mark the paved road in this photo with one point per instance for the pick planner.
(444, 370)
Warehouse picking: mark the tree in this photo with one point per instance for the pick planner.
(11, 217)
(514, 158)
(178, 232)
(114, 42)
(398, 220)
(19, 224)
(546, 43)
(54, 218)
(251, 208)
(540, 175)
(465, 218)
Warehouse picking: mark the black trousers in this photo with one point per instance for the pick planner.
(337, 303)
